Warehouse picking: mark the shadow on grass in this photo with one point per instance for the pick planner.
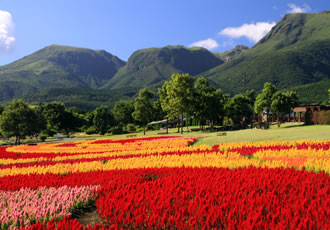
(87, 215)
(295, 126)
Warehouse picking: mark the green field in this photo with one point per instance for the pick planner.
(289, 132)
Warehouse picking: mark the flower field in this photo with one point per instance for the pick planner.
(167, 183)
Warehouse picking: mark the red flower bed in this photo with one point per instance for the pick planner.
(187, 198)
(130, 140)
(250, 150)
(220, 198)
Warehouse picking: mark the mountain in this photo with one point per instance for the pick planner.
(316, 92)
(233, 53)
(294, 53)
(57, 67)
(147, 67)
(87, 99)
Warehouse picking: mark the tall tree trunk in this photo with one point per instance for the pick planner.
(17, 142)
(167, 126)
(144, 130)
(182, 123)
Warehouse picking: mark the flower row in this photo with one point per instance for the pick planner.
(27, 206)
(106, 145)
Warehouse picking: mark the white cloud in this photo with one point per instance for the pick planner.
(208, 44)
(294, 9)
(253, 32)
(7, 26)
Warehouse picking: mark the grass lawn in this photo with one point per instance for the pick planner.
(289, 132)
(285, 133)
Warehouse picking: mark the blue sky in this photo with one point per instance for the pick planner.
(124, 26)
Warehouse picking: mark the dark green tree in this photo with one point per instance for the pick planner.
(17, 120)
(264, 99)
(54, 114)
(143, 109)
(240, 108)
(78, 118)
(282, 103)
(158, 111)
(60, 119)
(1, 109)
(40, 123)
(164, 102)
(122, 112)
(103, 119)
(179, 92)
(208, 102)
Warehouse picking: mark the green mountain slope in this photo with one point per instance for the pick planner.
(58, 67)
(313, 93)
(150, 66)
(295, 52)
(87, 99)
(233, 53)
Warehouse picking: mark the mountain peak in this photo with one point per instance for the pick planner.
(295, 29)
(233, 53)
(154, 65)
(63, 67)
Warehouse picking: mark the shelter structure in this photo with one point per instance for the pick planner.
(309, 114)
(163, 123)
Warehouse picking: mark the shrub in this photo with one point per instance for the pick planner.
(49, 132)
(324, 118)
(131, 128)
(117, 130)
(43, 136)
(90, 130)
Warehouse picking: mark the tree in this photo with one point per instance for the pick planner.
(77, 118)
(40, 123)
(54, 114)
(179, 93)
(158, 111)
(59, 119)
(103, 119)
(143, 109)
(17, 120)
(123, 112)
(1, 109)
(208, 102)
(201, 104)
(282, 103)
(264, 99)
(240, 108)
(164, 102)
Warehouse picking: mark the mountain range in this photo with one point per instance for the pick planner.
(295, 54)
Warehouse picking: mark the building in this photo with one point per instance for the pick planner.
(309, 114)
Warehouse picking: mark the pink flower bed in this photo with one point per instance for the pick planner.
(27, 206)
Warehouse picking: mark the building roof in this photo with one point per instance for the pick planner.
(299, 109)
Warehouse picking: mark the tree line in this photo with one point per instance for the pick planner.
(181, 98)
